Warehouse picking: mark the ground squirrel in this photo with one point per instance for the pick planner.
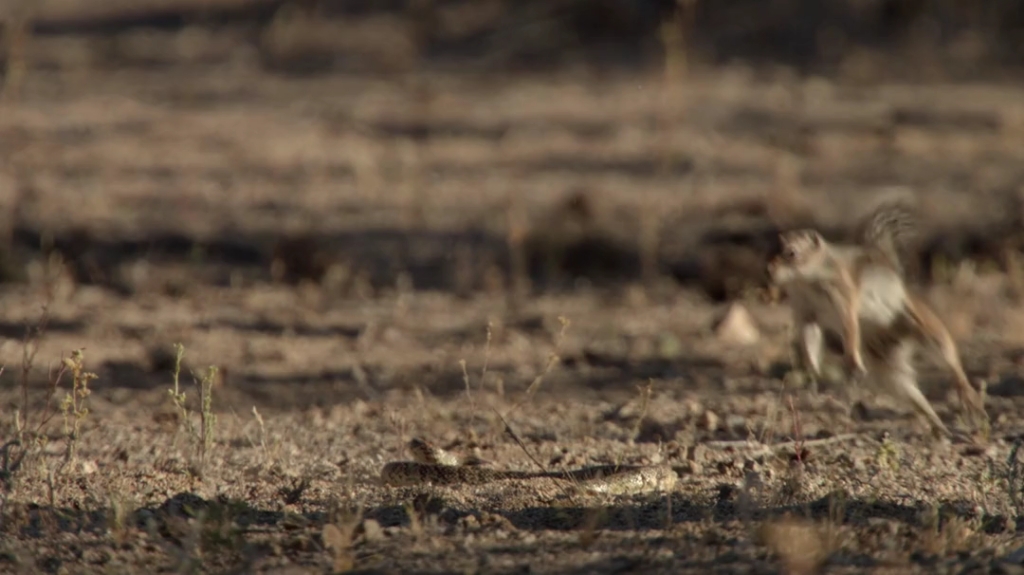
(860, 292)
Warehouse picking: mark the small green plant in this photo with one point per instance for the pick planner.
(72, 407)
(645, 401)
(984, 424)
(29, 422)
(888, 454)
(553, 359)
(201, 438)
(178, 396)
(207, 419)
(263, 435)
(119, 518)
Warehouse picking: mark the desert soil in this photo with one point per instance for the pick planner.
(321, 382)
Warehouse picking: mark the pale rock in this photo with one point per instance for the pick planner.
(737, 327)
(87, 467)
(372, 531)
(709, 420)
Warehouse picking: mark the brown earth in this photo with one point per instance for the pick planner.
(337, 246)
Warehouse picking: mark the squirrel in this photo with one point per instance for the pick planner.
(860, 291)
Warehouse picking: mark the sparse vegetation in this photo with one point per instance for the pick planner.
(202, 436)
(73, 407)
(888, 454)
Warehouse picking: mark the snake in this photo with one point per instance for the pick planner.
(433, 465)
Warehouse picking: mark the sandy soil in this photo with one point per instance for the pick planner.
(178, 185)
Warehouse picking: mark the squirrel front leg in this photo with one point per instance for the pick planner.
(847, 301)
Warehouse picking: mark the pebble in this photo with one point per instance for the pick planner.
(372, 531)
(709, 420)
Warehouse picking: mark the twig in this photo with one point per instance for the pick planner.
(465, 380)
(553, 359)
(519, 442)
(645, 399)
(544, 472)
(797, 432)
(487, 355)
(29, 350)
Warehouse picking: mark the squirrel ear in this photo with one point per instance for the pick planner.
(816, 238)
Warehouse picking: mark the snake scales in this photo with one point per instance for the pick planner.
(435, 466)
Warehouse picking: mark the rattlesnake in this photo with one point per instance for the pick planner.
(436, 466)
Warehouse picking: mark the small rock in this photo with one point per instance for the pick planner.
(470, 523)
(692, 468)
(86, 466)
(333, 538)
(495, 520)
(372, 531)
(737, 327)
(709, 420)
(725, 466)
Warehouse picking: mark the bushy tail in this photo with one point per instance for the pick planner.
(891, 226)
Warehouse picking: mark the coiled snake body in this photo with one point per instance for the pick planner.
(436, 466)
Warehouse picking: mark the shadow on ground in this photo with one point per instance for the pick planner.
(234, 530)
(697, 252)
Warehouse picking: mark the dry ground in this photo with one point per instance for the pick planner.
(174, 186)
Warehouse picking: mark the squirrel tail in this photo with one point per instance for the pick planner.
(891, 226)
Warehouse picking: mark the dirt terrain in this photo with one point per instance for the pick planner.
(531, 269)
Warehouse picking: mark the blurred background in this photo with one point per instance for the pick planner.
(926, 39)
(246, 175)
